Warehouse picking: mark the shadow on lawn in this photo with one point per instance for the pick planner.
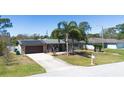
(83, 53)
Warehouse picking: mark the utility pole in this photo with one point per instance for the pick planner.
(102, 37)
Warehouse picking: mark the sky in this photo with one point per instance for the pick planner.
(41, 24)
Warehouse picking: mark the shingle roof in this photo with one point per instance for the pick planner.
(75, 41)
(53, 41)
(31, 42)
(100, 40)
(39, 42)
(121, 41)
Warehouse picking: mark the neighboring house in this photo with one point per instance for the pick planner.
(40, 46)
(108, 43)
(45, 45)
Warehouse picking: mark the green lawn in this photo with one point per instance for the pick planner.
(83, 59)
(20, 66)
(119, 51)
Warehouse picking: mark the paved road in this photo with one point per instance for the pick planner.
(56, 67)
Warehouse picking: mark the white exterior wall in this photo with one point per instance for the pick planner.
(112, 46)
(109, 46)
(19, 49)
(90, 47)
(120, 45)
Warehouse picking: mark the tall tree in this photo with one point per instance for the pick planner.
(97, 35)
(64, 26)
(120, 29)
(4, 35)
(84, 27)
(67, 28)
(74, 33)
(57, 34)
(110, 32)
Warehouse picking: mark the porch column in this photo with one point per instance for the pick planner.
(45, 48)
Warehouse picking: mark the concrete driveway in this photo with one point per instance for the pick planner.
(49, 62)
(56, 67)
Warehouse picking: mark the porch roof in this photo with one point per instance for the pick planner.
(53, 41)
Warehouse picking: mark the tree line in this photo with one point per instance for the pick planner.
(116, 32)
(34, 36)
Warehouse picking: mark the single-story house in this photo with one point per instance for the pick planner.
(48, 45)
(45, 45)
(108, 43)
(77, 44)
(40, 46)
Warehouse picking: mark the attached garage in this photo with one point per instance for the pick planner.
(39, 46)
(31, 46)
(33, 49)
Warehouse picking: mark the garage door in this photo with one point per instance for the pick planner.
(33, 49)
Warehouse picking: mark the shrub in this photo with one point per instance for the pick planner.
(98, 47)
(17, 52)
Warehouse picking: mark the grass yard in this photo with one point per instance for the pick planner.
(19, 66)
(118, 51)
(109, 56)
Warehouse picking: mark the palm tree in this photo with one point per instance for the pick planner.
(74, 34)
(84, 27)
(57, 34)
(68, 29)
(64, 26)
